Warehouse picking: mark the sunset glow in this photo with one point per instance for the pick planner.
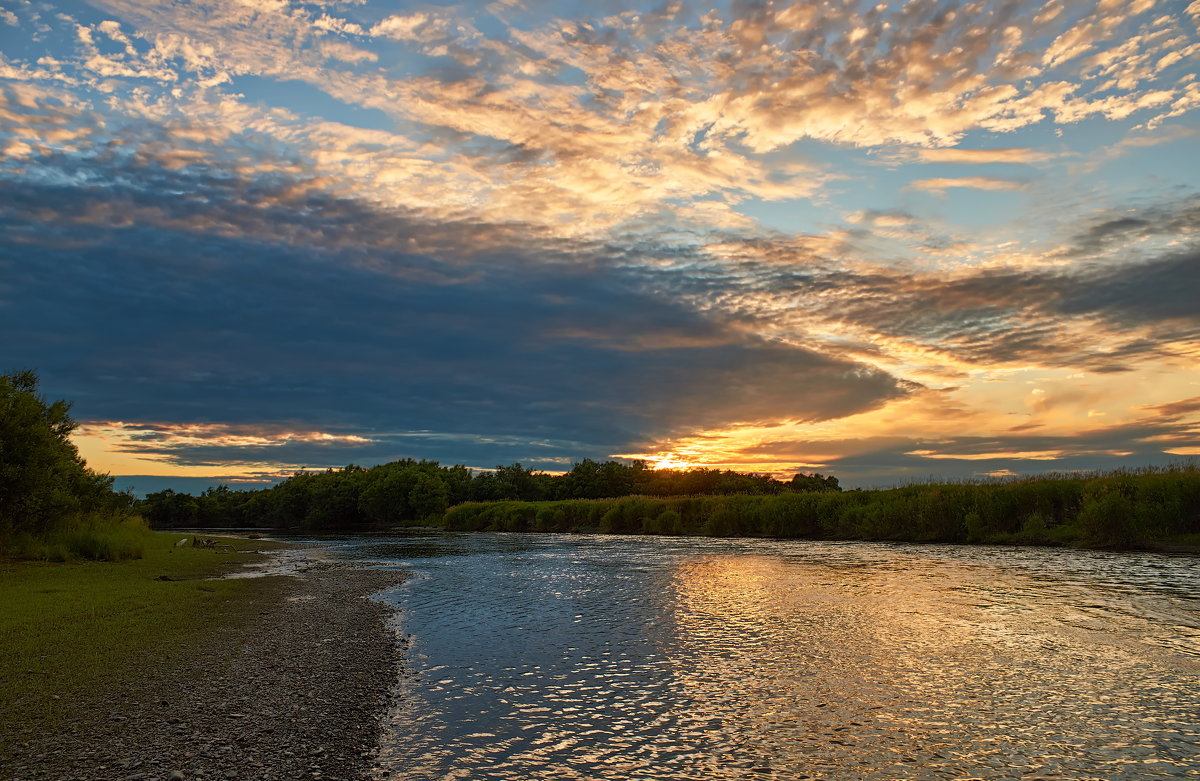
(882, 241)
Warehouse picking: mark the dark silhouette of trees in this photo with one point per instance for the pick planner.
(43, 481)
(419, 491)
(52, 506)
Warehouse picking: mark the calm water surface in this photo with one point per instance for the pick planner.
(576, 657)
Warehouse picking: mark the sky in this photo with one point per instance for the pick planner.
(888, 242)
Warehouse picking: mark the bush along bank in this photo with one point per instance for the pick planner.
(1125, 509)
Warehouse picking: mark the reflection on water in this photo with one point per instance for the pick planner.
(550, 657)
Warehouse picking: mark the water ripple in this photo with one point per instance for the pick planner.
(552, 657)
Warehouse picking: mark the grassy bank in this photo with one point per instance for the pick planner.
(87, 627)
(1128, 509)
(95, 536)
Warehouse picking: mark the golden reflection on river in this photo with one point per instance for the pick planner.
(547, 657)
(905, 670)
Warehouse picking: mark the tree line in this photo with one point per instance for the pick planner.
(1123, 509)
(409, 491)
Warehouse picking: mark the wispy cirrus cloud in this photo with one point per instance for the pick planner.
(1016, 155)
(939, 185)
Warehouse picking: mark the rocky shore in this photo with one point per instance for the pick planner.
(292, 688)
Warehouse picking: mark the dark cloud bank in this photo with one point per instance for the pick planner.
(217, 300)
(189, 296)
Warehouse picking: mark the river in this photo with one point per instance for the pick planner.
(601, 657)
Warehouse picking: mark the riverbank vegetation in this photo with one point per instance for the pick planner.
(1123, 509)
(1119, 509)
(407, 491)
(52, 506)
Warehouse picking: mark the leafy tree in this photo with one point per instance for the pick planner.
(42, 478)
(386, 499)
(813, 482)
(458, 484)
(167, 509)
(428, 496)
(334, 499)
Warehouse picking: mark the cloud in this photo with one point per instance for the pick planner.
(1175, 409)
(1124, 231)
(251, 303)
(939, 185)
(948, 433)
(313, 216)
(1119, 310)
(612, 122)
(418, 26)
(958, 155)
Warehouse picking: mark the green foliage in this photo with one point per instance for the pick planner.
(1115, 510)
(667, 522)
(610, 522)
(593, 497)
(976, 531)
(721, 522)
(51, 505)
(99, 538)
(428, 496)
(405, 491)
(1110, 520)
(167, 509)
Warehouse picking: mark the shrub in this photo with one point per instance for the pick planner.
(667, 522)
(97, 537)
(1109, 521)
(721, 523)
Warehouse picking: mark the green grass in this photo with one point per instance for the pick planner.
(96, 537)
(91, 627)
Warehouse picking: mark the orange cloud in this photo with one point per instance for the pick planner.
(939, 185)
(1023, 155)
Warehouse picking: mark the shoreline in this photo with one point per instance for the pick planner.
(293, 685)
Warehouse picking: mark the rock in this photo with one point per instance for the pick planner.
(175, 775)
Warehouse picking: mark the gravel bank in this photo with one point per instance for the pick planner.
(293, 688)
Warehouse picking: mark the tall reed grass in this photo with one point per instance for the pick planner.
(1121, 509)
(95, 536)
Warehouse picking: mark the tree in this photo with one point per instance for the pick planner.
(814, 482)
(458, 483)
(386, 500)
(167, 509)
(428, 496)
(42, 478)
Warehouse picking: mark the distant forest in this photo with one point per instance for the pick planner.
(421, 491)
(1123, 509)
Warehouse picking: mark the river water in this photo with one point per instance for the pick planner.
(597, 657)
